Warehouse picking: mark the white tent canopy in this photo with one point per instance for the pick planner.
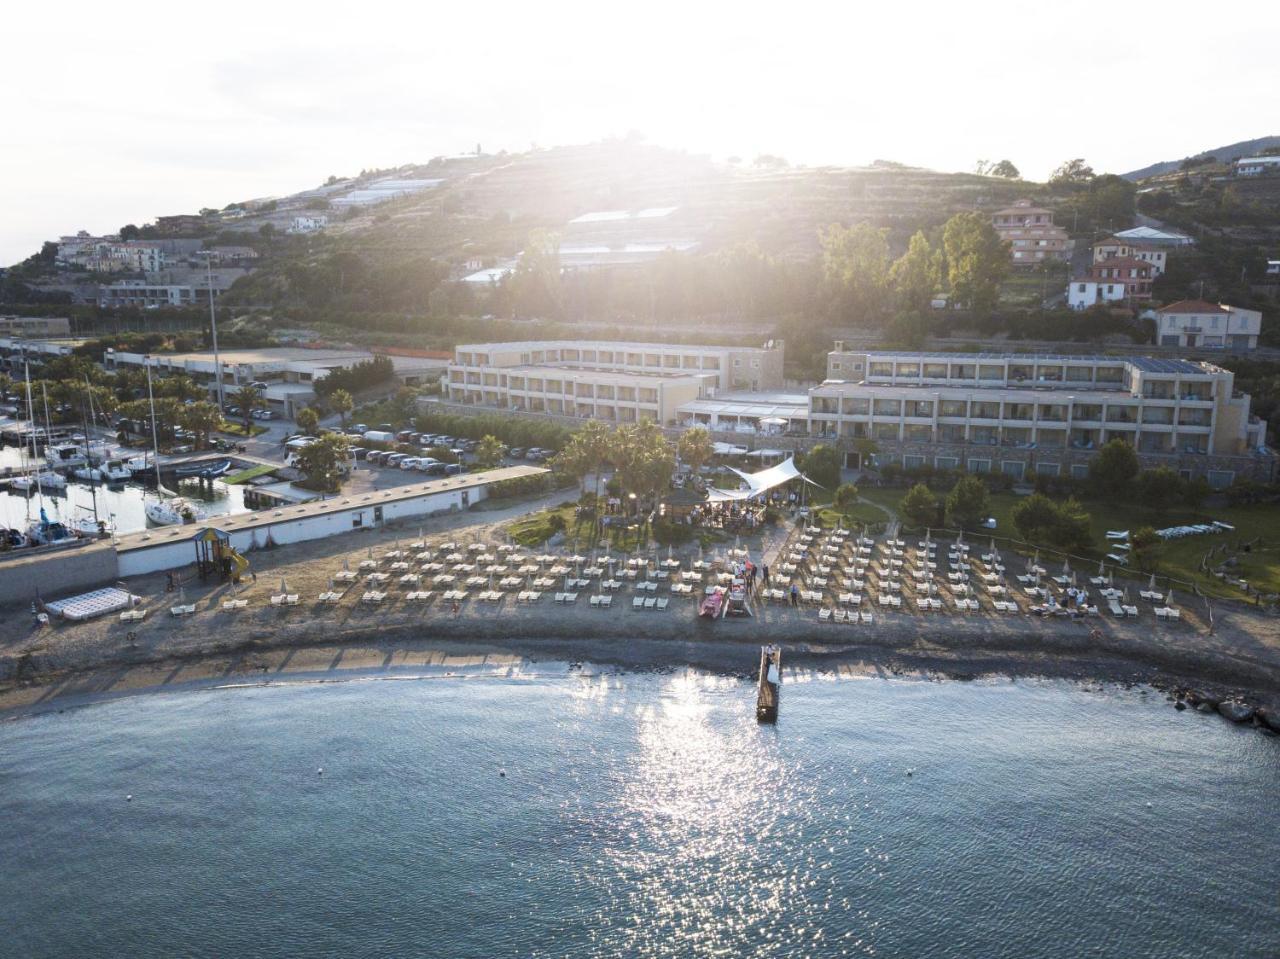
(761, 482)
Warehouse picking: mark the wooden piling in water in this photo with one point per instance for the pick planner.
(767, 691)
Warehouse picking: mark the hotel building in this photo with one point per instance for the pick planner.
(1026, 415)
(1031, 234)
(615, 382)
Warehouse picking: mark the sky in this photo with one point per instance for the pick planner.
(116, 115)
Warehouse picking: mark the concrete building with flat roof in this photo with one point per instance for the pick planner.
(289, 372)
(1197, 323)
(1026, 415)
(616, 382)
(35, 326)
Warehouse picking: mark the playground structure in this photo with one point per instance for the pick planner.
(216, 556)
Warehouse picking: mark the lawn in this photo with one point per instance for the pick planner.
(253, 472)
(1177, 558)
(237, 429)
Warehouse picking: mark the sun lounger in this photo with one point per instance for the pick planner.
(329, 596)
(637, 602)
(866, 618)
(373, 597)
(182, 610)
(824, 614)
(662, 602)
(419, 595)
(133, 615)
(840, 615)
(231, 605)
(650, 603)
(344, 576)
(1130, 610)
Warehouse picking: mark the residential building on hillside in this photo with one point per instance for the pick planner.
(1257, 166)
(170, 288)
(185, 224)
(380, 191)
(32, 326)
(617, 382)
(1116, 248)
(1114, 280)
(1026, 415)
(1031, 234)
(311, 223)
(1207, 325)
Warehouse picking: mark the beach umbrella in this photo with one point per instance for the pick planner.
(284, 588)
(1102, 568)
(1125, 595)
(960, 538)
(1066, 567)
(371, 552)
(1168, 599)
(1151, 585)
(331, 584)
(346, 566)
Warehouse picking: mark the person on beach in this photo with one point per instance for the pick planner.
(765, 571)
(795, 595)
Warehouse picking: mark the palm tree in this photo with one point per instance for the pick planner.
(247, 398)
(596, 440)
(489, 451)
(695, 448)
(342, 404)
(308, 420)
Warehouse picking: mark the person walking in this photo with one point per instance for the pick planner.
(765, 574)
(795, 595)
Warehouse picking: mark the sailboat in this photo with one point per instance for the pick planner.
(166, 508)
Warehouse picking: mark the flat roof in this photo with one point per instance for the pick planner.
(613, 216)
(167, 535)
(270, 354)
(614, 345)
(724, 407)
(603, 376)
(1148, 364)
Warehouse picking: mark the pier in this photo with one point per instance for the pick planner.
(770, 684)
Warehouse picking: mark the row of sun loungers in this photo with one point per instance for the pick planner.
(649, 602)
(841, 616)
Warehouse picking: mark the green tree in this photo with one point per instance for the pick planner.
(489, 451)
(308, 421)
(1073, 531)
(695, 448)
(575, 461)
(596, 440)
(201, 418)
(535, 284)
(1160, 488)
(1035, 517)
(914, 275)
(1072, 172)
(1144, 542)
(248, 398)
(340, 402)
(1114, 469)
(968, 503)
(855, 262)
(845, 498)
(822, 465)
(1005, 169)
(324, 461)
(919, 506)
(977, 261)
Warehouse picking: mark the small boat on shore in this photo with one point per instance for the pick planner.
(172, 511)
(204, 470)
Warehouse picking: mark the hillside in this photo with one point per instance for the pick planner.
(1224, 154)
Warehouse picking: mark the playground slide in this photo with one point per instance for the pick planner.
(239, 565)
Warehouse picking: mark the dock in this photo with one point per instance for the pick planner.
(770, 684)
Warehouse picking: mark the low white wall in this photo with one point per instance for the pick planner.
(174, 555)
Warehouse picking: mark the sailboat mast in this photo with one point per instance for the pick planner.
(155, 436)
(88, 454)
(48, 431)
(31, 415)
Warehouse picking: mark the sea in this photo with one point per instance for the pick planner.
(547, 811)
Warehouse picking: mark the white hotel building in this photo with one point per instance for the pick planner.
(1024, 415)
(615, 382)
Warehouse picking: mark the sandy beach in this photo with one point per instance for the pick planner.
(65, 662)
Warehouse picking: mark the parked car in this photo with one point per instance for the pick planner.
(409, 463)
(358, 452)
(403, 436)
(386, 427)
(258, 385)
(376, 456)
(232, 411)
(535, 454)
(393, 459)
(453, 469)
(360, 428)
(517, 452)
(435, 469)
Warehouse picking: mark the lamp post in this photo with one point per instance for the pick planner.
(213, 326)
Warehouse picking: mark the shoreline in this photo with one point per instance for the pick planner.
(1239, 658)
(393, 653)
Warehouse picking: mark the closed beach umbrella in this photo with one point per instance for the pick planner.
(1151, 585)
(960, 538)
(1066, 567)
(1102, 568)
(345, 564)
(371, 552)
(1168, 600)
(284, 588)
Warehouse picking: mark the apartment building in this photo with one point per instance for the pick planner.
(1257, 166)
(1114, 280)
(1209, 325)
(1117, 248)
(1031, 234)
(615, 382)
(1026, 415)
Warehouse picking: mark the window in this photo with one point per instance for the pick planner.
(1220, 479)
(1014, 468)
(835, 364)
(979, 466)
(1079, 471)
(912, 462)
(1048, 469)
(946, 462)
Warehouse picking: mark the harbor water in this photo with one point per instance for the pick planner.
(554, 814)
(121, 505)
